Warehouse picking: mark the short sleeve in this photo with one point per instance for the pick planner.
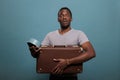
(45, 42)
(82, 38)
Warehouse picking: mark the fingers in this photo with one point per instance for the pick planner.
(59, 68)
(34, 49)
(38, 49)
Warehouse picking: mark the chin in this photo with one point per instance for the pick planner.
(65, 27)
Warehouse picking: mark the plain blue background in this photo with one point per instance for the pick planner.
(21, 20)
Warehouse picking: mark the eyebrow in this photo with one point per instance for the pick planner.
(68, 13)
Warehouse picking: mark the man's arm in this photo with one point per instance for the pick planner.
(87, 54)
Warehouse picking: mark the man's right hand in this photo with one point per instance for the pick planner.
(34, 51)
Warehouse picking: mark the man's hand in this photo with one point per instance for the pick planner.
(59, 68)
(34, 51)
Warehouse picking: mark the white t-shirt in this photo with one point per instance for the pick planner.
(72, 37)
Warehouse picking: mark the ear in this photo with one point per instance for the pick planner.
(71, 19)
(58, 19)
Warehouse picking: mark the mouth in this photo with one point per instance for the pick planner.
(65, 21)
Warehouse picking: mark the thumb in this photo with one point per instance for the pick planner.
(56, 60)
(38, 49)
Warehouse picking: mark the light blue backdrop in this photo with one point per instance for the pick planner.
(22, 19)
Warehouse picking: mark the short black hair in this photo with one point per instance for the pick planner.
(66, 9)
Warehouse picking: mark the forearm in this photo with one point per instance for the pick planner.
(83, 57)
(87, 54)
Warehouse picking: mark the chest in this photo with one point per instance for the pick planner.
(64, 39)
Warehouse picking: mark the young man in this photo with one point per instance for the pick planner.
(66, 35)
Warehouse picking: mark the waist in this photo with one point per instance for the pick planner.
(64, 75)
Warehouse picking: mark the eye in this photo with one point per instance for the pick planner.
(60, 15)
(67, 15)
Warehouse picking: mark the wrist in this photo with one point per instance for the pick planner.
(68, 62)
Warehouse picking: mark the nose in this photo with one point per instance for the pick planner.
(64, 17)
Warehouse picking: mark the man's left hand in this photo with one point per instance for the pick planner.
(59, 68)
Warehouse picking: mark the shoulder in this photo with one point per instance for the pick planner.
(52, 33)
(77, 31)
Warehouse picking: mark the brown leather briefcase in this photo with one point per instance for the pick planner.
(45, 62)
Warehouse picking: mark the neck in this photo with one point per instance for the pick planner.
(62, 31)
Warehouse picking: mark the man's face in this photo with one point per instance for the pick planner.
(64, 18)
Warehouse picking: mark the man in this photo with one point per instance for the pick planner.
(66, 35)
